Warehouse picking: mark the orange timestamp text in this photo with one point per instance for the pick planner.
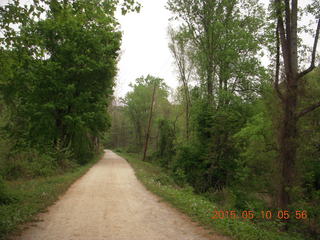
(268, 214)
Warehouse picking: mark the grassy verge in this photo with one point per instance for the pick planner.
(34, 196)
(198, 207)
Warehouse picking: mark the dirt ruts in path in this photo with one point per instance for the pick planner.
(109, 203)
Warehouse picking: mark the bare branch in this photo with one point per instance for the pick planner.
(288, 23)
(308, 109)
(313, 56)
(276, 81)
(283, 38)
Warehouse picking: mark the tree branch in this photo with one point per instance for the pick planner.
(283, 38)
(288, 26)
(276, 81)
(313, 56)
(308, 109)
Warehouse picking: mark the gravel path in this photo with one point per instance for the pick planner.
(109, 203)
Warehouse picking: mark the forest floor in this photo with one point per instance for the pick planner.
(110, 203)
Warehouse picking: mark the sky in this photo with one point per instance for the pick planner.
(145, 46)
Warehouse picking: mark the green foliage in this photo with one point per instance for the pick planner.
(307, 195)
(28, 164)
(58, 74)
(225, 38)
(180, 177)
(137, 106)
(166, 142)
(214, 162)
(118, 150)
(6, 195)
(188, 162)
(164, 179)
(257, 146)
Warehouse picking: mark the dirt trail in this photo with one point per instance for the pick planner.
(109, 203)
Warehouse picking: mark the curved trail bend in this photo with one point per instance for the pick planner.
(109, 203)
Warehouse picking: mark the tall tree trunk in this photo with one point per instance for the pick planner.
(178, 49)
(187, 120)
(187, 100)
(286, 36)
(149, 124)
(287, 147)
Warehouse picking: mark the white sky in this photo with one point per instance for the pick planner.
(145, 46)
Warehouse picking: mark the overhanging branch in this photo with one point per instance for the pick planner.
(308, 109)
(313, 56)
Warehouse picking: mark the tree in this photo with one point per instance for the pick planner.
(225, 36)
(179, 49)
(149, 122)
(138, 104)
(223, 42)
(286, 12)
(65, 57)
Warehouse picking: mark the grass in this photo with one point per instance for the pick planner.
(198, 207)
(34, 196)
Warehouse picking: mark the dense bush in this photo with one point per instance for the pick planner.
(187, 163)
(166, 142)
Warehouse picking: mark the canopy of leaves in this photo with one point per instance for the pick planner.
(59, 72)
